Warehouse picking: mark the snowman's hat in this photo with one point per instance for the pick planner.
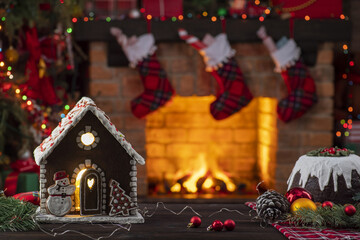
(60, 175)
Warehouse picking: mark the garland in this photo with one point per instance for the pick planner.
(16, 215)
(327, 217)
(330, 152)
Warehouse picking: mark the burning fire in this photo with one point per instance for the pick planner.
(205, 177)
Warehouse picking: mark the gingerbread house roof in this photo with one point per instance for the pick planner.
(71, 119)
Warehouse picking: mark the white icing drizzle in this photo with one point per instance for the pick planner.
(323, 167)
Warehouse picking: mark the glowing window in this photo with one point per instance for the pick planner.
(87, 139)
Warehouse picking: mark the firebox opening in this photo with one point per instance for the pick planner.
(188, 151)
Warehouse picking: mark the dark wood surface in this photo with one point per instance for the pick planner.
(164, 225)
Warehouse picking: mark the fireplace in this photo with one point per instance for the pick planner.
(260, 146)
(188, 151)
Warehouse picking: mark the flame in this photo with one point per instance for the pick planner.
(208, 183)
(90, 183)
(203, 169)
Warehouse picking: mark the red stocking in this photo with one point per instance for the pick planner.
(157, 88)
(300, 85)
(301, 90)
(233, 93)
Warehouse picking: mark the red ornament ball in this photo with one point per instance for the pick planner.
(327, 204)
(229, 225)
(195, 222)
(350, 210)
(217, 225)
(297, 192)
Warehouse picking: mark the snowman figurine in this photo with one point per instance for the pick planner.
(59, 200)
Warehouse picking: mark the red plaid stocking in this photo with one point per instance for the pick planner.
(157, 88)
(233, 93)
(301, 90)
(300, 85)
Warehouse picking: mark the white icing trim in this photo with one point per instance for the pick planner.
(323, 168)
(71, 119)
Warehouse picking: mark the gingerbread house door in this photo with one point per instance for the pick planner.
(90, 193)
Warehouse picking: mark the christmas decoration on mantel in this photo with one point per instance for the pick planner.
(233, 94)
(140, 52)
(300, 85)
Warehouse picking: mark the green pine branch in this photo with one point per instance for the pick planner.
(16, 215)
(334, 217)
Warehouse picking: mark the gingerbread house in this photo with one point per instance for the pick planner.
(99, 162)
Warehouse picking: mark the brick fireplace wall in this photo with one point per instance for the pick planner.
(112, 88)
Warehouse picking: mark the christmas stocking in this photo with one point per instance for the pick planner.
(233, 94)
(141, 54)
(300, 85)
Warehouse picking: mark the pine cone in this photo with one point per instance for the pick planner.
(272, 206)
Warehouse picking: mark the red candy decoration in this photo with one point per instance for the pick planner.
(217, 225)
(296, 193)
(327, 204)
(194, 222)
(229, 225)
(350, 210)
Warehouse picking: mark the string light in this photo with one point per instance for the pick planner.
(28, 102)
(204, 14)
(213, 19)
(173, 19)
(342, 16)
(142, 10)
(17, 91)
(69, 30)
(74, 20)
(43, 126)
(345, 47)
(66, 107)
(244, 16)
(108, 19)
(267, 11)
(351, 63)
(350, 109)
(2, 64)
(181, 17)
(307, 18)
(24, 97)
(257, 2)
(338, 134)
(86, 19)
(149, 17)
(261, 19)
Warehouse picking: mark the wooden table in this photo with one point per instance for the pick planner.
(164, 225)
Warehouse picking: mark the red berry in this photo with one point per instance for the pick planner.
(229, 225)
(332, 150)
(217, 225)
(327, 204)
(194, 222)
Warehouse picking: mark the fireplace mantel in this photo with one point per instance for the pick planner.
(308, 34)
(237, 30)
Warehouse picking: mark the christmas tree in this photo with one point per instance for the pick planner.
(120, 203)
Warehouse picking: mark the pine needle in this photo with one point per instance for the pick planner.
(16, 215)
(334, 217)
